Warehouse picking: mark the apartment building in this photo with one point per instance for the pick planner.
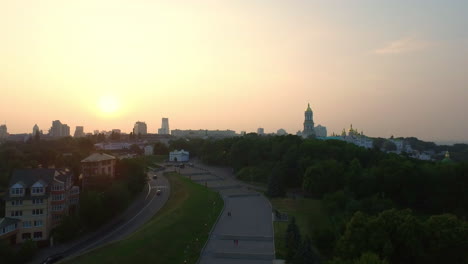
(97, 167)
(36, 201)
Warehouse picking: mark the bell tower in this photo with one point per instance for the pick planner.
(308, 123)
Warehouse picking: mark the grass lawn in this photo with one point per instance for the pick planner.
(176, 233)
(309, 216)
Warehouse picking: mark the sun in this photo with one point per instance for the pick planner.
(109, 105)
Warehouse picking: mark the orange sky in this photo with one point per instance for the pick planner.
(390, 69)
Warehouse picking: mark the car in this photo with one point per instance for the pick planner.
(155, 177)
(158, 192)
(53, 259)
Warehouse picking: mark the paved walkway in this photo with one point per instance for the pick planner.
(250, 223)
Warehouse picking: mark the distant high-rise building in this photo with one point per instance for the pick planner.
(320, 131)
(281, 132)
(164, 130)
(116, 131)
(3, 132)
(65, 130)
(56, 129)
(96, 132)
(140, 128)
(79, 132)
(260, 131)
(308, 123)
(59, 130)
(243, 133)
(35, 130)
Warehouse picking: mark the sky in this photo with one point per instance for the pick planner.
(392, 67)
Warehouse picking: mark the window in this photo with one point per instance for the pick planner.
(8, 229)
(37, 201)
(37, 235)
(37, 223)
(57, 197)
(26, 236)
(37, 190)
(57, 187)
(38, 211)
(27, 224)
(56, 217)
(57, 207)
(17, 202)
(16, 191)
(16, 213)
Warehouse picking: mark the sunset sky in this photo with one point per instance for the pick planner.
(393, 67)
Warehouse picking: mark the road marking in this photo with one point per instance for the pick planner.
(159, 187)
(149, 190)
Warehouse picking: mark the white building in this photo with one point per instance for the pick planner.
(149, 150)
(320, 131)
(260, 131)
(179, 156)
(140, 128)
(281, 132)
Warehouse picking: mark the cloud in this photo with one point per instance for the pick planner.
(404, 45)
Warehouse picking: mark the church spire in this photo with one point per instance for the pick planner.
(308, 108)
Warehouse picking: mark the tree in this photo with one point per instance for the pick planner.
(378, 143)
(389, 146)
(447, 239)
(305, 254)
(275, 182)
(293, 239)
(160, 149)
(37, 137)
(27, 251)
(6, 252)
(323, 177)
(136, 149)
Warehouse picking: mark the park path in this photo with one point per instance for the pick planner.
(250, 222)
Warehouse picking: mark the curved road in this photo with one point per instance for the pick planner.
(145, 206)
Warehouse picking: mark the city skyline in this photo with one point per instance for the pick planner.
(389, 68)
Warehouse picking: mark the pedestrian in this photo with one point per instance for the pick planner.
(236, 242)
(229, 213)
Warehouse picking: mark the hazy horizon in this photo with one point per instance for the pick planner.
(387, 67)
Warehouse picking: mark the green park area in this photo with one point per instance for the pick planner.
(309, 214)
(175, 234)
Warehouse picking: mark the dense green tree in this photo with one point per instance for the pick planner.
(305, 254)
(27, 251)
(160, 149)
(323, 177)
(292, 239)
(446, 239)
(276, 186)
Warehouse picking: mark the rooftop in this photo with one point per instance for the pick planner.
(4, 222)
(27, 177)
(98, 157)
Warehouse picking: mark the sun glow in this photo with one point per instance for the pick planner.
(109, 105)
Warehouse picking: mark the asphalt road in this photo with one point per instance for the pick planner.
(138, 213)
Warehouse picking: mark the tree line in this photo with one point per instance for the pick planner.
(357, 183)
